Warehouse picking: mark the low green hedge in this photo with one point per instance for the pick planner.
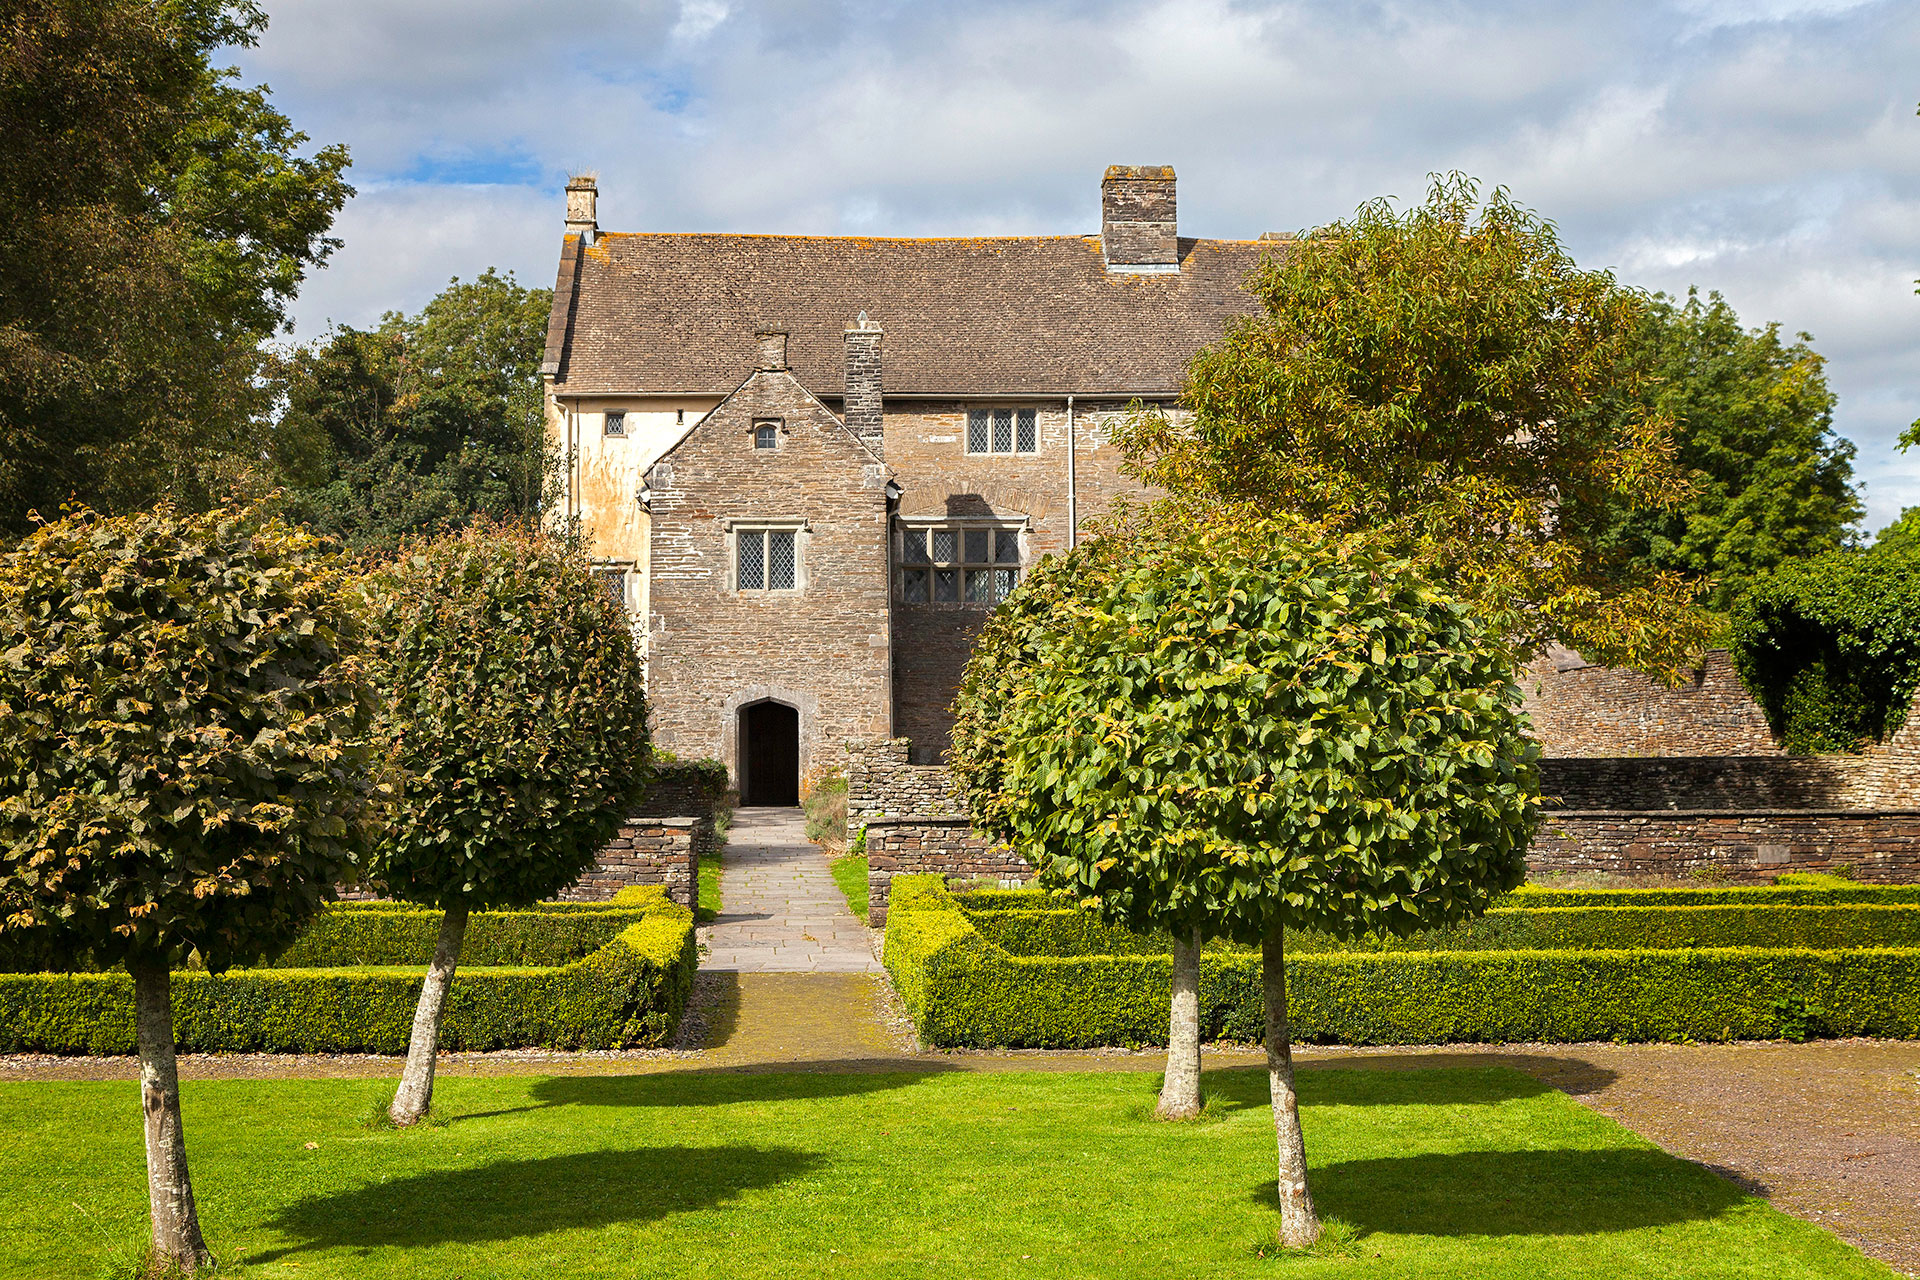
(400, 933)
(630, 991)
(1072, 932)
(963, 990)
(1835, 893)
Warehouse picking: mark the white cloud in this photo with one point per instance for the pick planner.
(1766, 148)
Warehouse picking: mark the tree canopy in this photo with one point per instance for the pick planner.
(156, 217)
(1753, 421)
(422, 424)
(1429, 376)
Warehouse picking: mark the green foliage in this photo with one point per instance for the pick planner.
(962, 990)
(1830, 647)
(629, 992)
(156, 217)
(515, 700)
(185, 751)
(424, 424)
(850, 874)
(1237, 728)
(826, 808)
(1753, 420)
(351, 935)
(1429, 377)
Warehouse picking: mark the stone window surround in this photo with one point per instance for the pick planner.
(778, 428)
(802, 531)
(1021, 525)
(604, 569)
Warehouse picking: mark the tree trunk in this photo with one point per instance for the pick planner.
(176, 1223)
(1180, 1091)
(1299, 1224)
(415, 1095)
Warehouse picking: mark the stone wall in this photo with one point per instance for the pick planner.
(881, 781)
(1712, 782)
(1749, 846)
(921, 845)
(1581, 710)
(647, 851)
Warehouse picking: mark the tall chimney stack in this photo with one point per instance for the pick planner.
(583, 207)
(1138, 227)
(773, 349)
(862, 406)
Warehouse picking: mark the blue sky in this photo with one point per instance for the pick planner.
(1768, 149)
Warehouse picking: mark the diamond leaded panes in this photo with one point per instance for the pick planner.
(1002, 431)
(968, 566)
(753, 560)
(780, 561)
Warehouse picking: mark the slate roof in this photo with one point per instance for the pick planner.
(673, 313)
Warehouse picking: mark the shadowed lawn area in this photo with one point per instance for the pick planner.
(1436, 1173)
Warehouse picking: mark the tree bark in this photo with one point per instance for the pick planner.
(415, 1095)
(1180, 1090)
(1299, 1224)
(176, 1222)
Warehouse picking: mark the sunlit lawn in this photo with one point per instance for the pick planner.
(850, 873)
(1478, 1173)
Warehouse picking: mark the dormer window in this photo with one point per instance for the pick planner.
(1001, 431)
(616, 424)
(766, 434)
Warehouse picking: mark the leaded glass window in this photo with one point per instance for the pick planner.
(958, 566)
(1002, 431)
(767, 559)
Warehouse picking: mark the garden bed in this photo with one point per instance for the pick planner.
(562, 976)
(1015, 969)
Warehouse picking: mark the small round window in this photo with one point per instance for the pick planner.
(766, 435)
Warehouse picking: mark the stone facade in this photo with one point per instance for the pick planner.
(716, 647)
(646, 851)
(1747, 846)
(1582, 710)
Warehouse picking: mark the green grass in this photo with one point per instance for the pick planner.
(1455, 1173)
(709, 905)
(850, 873)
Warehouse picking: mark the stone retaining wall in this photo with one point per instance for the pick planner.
(1747, 846)
(882, 782)
(932, 845)
(646, 851)
(1711, 782)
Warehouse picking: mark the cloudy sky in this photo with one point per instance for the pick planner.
(1765, 148)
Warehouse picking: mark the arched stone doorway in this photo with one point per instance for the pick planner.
(769, 756)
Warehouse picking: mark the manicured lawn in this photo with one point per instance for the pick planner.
(709, 904)
(1481, 1174)
(851, 875)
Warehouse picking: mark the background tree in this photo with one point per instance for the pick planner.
(184, 766)
(1430, 376)
(1830, 646)
(423, 424)
(514, 697)
(1753, 421)
(1241, 727)
(156, 218)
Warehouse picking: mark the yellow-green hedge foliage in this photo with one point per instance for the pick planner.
(963, 990)
(630, 991)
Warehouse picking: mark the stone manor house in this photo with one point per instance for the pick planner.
(811, 465)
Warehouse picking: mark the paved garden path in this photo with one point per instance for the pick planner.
(780, 909)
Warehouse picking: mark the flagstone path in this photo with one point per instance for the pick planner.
(781, 911)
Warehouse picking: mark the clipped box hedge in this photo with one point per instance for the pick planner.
(1069, 931)
(389, 933)
(630, 990)
(964, 990)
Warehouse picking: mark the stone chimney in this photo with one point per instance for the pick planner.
(1138, 229)
(773, 349)
(862, 406)
(583, 207)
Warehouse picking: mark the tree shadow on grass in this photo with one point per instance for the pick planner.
(517, 1198)
(1405, 1080)
(795, 1081)
(1517, 1193)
